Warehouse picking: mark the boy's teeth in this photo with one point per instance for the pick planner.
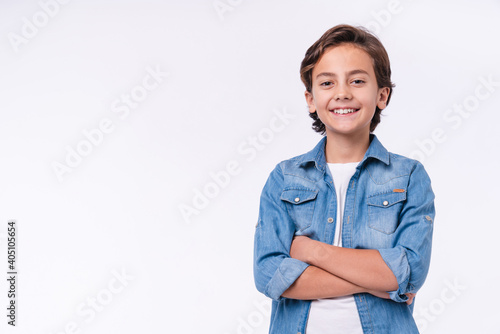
(343, 111)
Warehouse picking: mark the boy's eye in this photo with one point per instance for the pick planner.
(358, 81)
(326, 83)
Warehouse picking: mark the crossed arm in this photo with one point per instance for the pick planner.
(301, 268)
(336, 271)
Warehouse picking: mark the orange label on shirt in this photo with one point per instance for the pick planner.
(399, 190)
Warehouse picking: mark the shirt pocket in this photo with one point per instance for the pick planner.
(300, 203)
(384, 210)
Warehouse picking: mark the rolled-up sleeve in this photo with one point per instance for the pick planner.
(274, 269)
(410, 258)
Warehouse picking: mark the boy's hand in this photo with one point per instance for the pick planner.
(410, 297)
(385, 295)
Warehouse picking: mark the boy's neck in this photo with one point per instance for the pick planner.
(343, 148)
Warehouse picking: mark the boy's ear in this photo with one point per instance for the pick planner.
(383, 94)
(310, 101)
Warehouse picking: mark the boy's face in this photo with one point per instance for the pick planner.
(345, 91)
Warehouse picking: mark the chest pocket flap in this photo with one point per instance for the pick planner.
(386, 200)
(300, 203)
(298, 196)
(384, 209)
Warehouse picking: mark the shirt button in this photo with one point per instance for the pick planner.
(330, 220)
(296, 199)
(385, 203)
(428, 218)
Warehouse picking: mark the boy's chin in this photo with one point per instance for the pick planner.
(348, 131)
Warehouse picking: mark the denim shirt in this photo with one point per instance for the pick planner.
(389, 206)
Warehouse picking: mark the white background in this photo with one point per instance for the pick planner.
(229, 71)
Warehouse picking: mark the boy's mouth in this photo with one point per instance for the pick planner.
(344, 111)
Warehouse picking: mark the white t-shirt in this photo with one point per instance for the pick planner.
(340, 314)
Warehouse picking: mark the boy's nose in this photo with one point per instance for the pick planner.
(342, 93)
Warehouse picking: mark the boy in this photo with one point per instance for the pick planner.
(343, 239)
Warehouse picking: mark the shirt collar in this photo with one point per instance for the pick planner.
(317, 154)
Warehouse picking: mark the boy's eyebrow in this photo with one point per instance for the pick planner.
(330, 74)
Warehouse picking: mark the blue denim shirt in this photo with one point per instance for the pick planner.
(389, 206)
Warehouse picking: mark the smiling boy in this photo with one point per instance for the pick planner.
(343, 240)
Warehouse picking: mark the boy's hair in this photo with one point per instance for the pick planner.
(357, 36)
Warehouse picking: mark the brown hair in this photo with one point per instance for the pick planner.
(360, 37)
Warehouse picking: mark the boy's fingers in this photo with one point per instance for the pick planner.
(410, 298)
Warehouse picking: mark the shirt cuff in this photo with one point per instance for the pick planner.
(396, 260)
(288, 271)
